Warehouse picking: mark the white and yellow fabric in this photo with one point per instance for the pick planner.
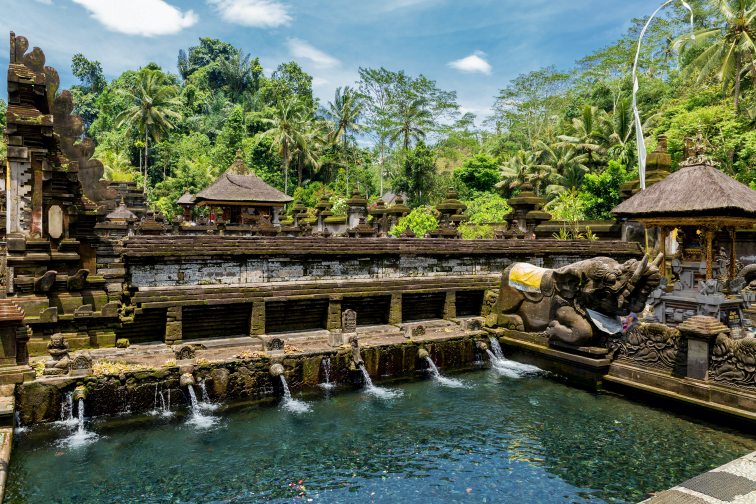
(526, 277)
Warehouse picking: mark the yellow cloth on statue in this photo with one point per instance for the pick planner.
(526, 277)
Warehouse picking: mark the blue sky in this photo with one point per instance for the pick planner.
(473, 47)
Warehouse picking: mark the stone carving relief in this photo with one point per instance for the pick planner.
(349, 322)
(733, 362)
(651, 345)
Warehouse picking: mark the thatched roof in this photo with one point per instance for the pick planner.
(186, 199)
(239, 185)
(698, 190)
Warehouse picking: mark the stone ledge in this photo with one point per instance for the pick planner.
(721, 399)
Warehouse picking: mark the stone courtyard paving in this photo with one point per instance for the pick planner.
(733, 483)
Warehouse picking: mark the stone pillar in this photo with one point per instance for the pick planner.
(334, 314)
(173, 325)
(450, 305)
(395, 310)
(700, 332)
(257, 322)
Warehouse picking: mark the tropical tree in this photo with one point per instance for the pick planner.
(728, 48)
(117, 165)
(418, 175)
(412, 123)
(241, 74)
(561, 165)
(586, 135)
(153, 110)
(516, 170)
(344, 114)
(288, 128)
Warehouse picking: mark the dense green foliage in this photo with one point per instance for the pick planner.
(568, 132)
(421, 220)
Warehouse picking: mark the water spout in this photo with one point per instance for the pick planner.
(380, 392)
(326, 365)
(289, 403)
(80, 436)
(506, 367)
(160, 406)
(441, 379)
(198, 417)
(79, 393)
(187, 380)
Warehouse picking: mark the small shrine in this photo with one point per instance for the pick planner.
(693, 215)
(527, 213)
(241, 196)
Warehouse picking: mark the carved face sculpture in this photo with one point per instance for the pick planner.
(607, 286)
(57, 341)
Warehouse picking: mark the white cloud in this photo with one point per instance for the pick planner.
(256, 13)
(140, 17)
(302, 50)
(476, 62)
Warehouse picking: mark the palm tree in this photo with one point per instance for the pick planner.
(586, 135)
(240, 74)
(729, 48)
(288, 129)
(308, 147)
(116, 165)
(344, 113)
(516, 170)
(618, 128)
(566, 167)
(153, 110)
(414, 121)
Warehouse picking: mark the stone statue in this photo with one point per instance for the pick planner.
(59, 360)
(577, 302)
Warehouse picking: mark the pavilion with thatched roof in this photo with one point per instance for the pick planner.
(698, 197)
(242, 196)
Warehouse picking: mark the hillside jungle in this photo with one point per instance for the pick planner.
(566, 131)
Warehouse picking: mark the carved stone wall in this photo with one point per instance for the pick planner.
(650, 345)
(733, 362)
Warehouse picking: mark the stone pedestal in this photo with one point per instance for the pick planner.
(700, 332)
(348, 329)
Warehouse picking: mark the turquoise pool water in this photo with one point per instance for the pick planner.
(505, 439)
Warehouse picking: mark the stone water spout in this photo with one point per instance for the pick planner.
(276, 370)
(356, 356)
(187, 379)
(423, 353)
(80, 392)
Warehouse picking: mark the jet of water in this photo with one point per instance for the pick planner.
(441, 379)
(326, 363)
(506, 367)
(80, 437)
(198, 418)
(380, 392)
(289, 403)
